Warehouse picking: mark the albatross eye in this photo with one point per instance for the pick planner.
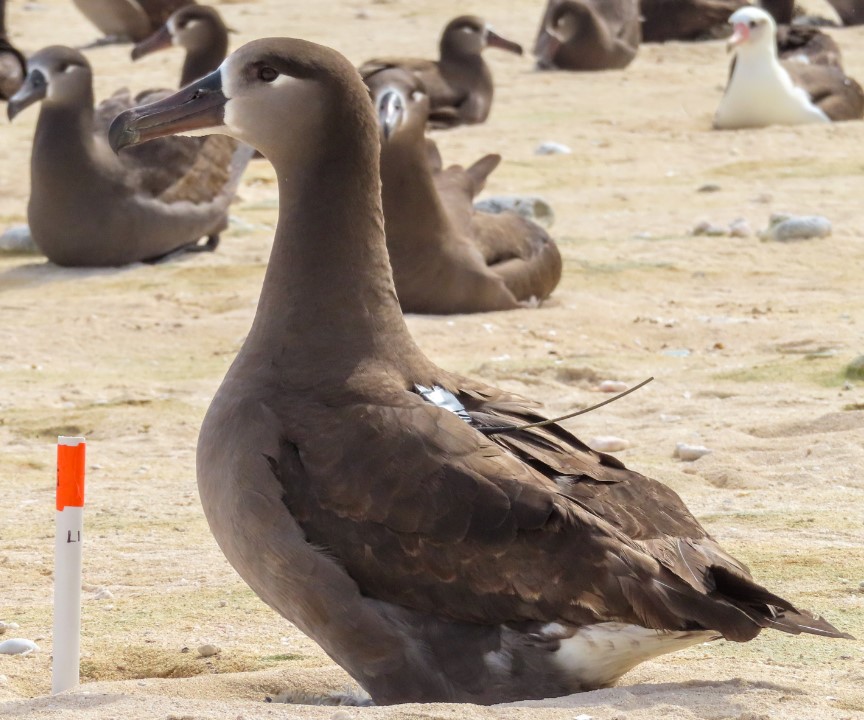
(267, 74)
(753, 23)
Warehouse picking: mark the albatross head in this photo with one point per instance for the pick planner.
(56, 75)
(401, 103)
(470, 35)
(752, 27)
(275, 94)
(191, 27)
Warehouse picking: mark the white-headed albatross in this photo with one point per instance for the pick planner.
(89, 207)
(373, 498)
(765, 91)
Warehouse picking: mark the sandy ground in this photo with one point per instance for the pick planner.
(747, 340)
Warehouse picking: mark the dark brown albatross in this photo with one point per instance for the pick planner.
(430, 560)
(446, 257)
(89, 207)
(459, 83)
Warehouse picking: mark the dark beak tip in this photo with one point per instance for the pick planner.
(119, 134)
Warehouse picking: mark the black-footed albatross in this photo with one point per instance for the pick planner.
(459, 83)
(664, 20)
(447, 258)
(89, 207)
(127, 20)
(13, 64)
(200, 31)
(350, 482)
(588, 34)
(762, 90)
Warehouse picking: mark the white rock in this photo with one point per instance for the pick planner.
(528, 206)
(709, 229)
(17, 646)
(552, 148)
(4, 680)
(786, 228)
(207, 650)
(103, 594)
(341, 715)
(17, 240)
(612, 386)
(740, 228)
(608, 443)
(683, 451)
(582, 717)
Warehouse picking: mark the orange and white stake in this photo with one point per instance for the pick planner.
(67, 563)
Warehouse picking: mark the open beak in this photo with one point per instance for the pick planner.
(159, 40)
(740, 34)
(33, 90)
(391, 111)
(493, 39)
(198, 106)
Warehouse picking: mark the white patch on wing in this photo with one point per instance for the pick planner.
(597, 655)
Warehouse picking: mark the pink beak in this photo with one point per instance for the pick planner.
(740, 34)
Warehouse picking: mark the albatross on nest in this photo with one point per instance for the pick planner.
(761, 92)
(89, 207)
(366, 494)
(459, 83)
(447, 257)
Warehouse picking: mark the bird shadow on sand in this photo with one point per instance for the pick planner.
(722, 698)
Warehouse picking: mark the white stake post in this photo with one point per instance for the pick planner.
(67, 563)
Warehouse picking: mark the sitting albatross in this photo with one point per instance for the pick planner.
(446, 257)
(372, 498)
(198, 29)
(763, 91)
(89, 207)
(459, 83)
(127, 20)
(588, 34)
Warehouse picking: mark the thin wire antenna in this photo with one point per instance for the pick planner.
(514, 428)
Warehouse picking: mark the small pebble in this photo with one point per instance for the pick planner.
(17, 240)
(4, 680)
(786, 228)
(709, 229)
(740, 228)
(612, 386)
(686, 452)
(583, 717)
(17, 646)
(528, 206)
(341, 715)
(103, 594)
(207, 650)
(608, 443)
(552, 148)
(709, 188)
(3, 627)
(861, 586)
(223, 603)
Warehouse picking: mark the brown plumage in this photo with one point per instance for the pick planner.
(200, 31)
(459, 83)
(588, 34)
(839, 96)
(446, 257)
(433, 561)
(664, 20)
(807, 44)
(128, 20)
(851, 12)
(89, 207)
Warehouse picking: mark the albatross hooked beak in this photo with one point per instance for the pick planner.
(198, 106)
(159, 40)
(34, 89)
(740, 34)
(493, 39)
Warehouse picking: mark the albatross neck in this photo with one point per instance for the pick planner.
(204, 59)
(328, 296)
(63, 141)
